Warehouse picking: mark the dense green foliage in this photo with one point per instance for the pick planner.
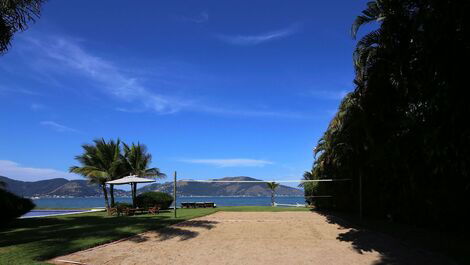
(152, 198)
(404, 129)
(104, 160)
(13, 206)
(15, 16)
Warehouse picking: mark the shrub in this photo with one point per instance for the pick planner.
(151, 198)
(13, 206)
(123, 205)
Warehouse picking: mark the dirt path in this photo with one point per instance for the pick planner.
(255, 238)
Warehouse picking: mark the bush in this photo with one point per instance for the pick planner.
(123, 205)
(13, 206)
(151, 198)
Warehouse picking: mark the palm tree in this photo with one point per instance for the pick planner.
(272, 186)
(101, 162)
(15, 16)
(137, 162)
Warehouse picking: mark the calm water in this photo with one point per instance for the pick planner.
(220, 201)
(36, 213)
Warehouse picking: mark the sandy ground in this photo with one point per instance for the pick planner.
(255, 238)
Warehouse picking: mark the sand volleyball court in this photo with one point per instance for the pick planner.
(255, 238)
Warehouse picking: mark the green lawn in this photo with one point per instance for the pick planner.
(30, 241)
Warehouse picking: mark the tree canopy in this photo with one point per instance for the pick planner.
(404, 127)
(15, 15)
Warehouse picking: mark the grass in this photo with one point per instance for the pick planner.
(31, 241)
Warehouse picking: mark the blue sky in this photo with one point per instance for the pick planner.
(213, 88)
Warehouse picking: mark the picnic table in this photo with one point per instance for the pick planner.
(132, 211)
(198, 205)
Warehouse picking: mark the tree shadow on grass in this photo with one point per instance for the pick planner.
(45, 238)
(391, 250)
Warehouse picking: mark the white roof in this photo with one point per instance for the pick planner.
(129, 179)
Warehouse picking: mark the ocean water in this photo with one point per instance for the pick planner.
(220, 201)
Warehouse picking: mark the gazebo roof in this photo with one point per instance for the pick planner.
(129, 179)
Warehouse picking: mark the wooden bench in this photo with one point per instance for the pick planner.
(198, 205)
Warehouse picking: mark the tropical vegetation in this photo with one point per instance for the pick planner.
(103, 161)
(152, 198)
(272, 186)
(15, 15)
(402, 136)
(12, 206)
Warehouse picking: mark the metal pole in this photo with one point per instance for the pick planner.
(174, 192)
(360, 196)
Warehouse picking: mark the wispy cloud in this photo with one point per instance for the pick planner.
(68, 57)
(328, 94)
(247, 40)
(37, 107)
(252, 113)
(4, 89)
(201, 18)
(232, 162)
(115, 82)
(14, 170)
(58, 127)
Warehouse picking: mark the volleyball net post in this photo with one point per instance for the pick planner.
(174, 193)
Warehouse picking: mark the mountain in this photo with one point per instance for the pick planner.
(186, 188)
(81, 188)
(55, 187)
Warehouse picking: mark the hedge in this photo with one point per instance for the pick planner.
(13, 206)
(151, 198)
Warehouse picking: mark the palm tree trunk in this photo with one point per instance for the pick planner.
(105, 192)
(111, 192)
(272, 197)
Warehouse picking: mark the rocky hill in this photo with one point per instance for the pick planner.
(81, 188)
(223, 189)
(55, 187)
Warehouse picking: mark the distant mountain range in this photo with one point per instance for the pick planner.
(81, 188)
(187, 188)
(55, 187)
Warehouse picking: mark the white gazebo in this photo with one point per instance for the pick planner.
(133, 180)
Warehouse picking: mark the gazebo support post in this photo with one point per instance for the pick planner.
(134, 193)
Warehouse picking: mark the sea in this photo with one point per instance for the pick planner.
(219, 201)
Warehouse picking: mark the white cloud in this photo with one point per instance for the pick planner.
(58, 127)
(66, 56)
(37, 107)
(4, 89)
(16, 171)
(117, 83)
(201, 18)
(329, 94)
(247, 40)
(233, 162)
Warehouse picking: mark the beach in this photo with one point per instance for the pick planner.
(254, 238)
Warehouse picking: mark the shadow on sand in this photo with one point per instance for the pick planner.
(73, 233)
(392, 250)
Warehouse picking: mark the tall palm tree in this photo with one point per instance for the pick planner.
(101, 162)
(137, 162)
(272, 186)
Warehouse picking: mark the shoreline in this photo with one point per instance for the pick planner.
(181, 196)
